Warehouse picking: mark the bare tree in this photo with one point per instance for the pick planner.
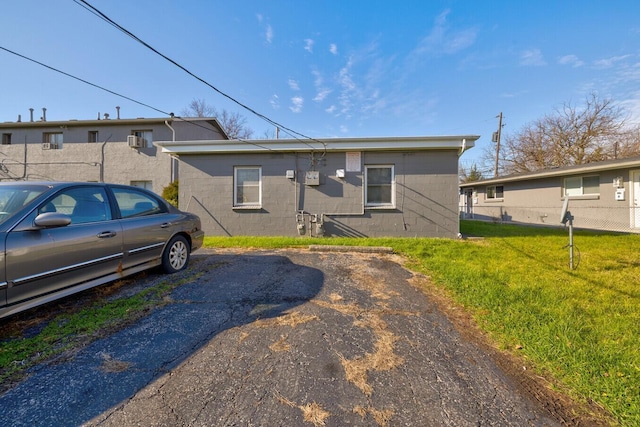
(234, 124)
(570, 136)
(469, 174)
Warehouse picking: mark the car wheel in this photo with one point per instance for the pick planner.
(176, 255)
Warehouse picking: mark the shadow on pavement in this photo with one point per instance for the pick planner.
(234, 290)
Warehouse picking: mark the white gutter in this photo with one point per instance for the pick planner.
(414, 143)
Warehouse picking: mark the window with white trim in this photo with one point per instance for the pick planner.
(495, 192)
(54, 139)
(380, 186)
(247, 186)
(147, 185)
(146, 136)
(581, 185)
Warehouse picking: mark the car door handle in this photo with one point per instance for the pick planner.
(106, 234)
(166, 225)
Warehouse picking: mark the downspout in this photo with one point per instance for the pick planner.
(102, 159)
(463, 148)
(173, 159)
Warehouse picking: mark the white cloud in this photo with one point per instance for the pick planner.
(331, 109)
(269, 34)
(610, 62)
(333, 48)
(293, 85)
(321, 91)
(532, 57)
(308, 45)
(297, 103)
(274, 101)
(322, 94)
(344, 129)
(443, 40)
(571, 60)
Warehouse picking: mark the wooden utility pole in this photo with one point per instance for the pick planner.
(496, 138)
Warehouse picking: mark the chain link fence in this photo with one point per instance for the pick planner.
(587, 216)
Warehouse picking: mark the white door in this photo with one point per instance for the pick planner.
(635, 207)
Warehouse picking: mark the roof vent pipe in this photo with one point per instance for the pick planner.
(44, 114)
(31, 113)
(98, 115)
(19, 118)
(106, 116)
(118, 113)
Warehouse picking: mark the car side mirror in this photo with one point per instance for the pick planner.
(51, 220)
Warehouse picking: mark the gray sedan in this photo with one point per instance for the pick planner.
(60, 238)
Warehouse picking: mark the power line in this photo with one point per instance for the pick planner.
(111, 22)
(83, 81)
(122, 96)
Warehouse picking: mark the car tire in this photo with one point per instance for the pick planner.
(176, 255)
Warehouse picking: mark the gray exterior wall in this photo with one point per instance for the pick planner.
(83, 162)
(540, 201)
(113, 161)
(426, 188)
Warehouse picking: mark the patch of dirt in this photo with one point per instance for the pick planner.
(542, 390)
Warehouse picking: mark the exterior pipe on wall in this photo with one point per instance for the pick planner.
(173, 139)
(463, 148)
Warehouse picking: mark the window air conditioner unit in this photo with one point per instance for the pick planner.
(46, 146)
(134, 141)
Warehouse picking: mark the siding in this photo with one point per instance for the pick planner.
(540, 202)
(425, 192)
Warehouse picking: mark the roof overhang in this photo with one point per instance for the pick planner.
(564, 171)
(460, 143)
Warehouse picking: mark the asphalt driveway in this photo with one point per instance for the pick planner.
(275, 338)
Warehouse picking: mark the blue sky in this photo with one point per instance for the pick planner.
(343, 68)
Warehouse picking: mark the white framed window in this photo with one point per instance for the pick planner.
(247, 186)
(146, 136)
(147, 185)
(380, 186)
(92, 136)
(54, 139)
(495, 192)
(581, 185)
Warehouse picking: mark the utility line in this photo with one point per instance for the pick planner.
(111, 22)
(122, 96)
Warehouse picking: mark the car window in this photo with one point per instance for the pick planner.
(15, 197)
(133, 203)
(82, 204)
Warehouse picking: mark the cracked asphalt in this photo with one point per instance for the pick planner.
(275, 338)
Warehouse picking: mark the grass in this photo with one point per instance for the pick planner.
(580, 327)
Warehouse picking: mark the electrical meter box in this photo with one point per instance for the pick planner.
(312, 178)
(620, 194)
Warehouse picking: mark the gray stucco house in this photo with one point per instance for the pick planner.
(105, 149)
(405, 186)
(602, 196)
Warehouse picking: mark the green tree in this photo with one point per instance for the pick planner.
(170, 193)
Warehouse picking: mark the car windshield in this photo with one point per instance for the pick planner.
(15, 197)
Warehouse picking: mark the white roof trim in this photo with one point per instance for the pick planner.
(565, 171)
(462, 142)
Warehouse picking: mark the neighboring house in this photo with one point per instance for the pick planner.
(356, 187)
(602, 196)
(110, 150)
